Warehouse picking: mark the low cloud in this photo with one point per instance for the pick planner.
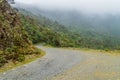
(89, 6)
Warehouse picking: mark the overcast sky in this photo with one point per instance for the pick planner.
(93, 6)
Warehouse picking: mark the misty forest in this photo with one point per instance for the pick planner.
(64, 35)
(71, 28)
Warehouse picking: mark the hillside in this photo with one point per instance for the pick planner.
(44, 30)
(14, 41)
(83, 30)
(78, 21)
(59, 40)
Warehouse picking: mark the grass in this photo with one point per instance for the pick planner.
(96, 51)
(109, 52)
(28, 58)
(88, 50)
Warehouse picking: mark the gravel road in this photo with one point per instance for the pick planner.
(66, 64)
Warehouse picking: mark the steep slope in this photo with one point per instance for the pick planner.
(14, 41)
(80, 22)
(41, 29)
(91, 31)
(65, 36)
(11, 31)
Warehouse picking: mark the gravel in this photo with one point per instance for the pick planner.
(54, 62)
(66, 64)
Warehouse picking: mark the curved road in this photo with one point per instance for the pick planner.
(63, 64)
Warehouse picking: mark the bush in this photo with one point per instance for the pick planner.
(2, 61)
(21, 58)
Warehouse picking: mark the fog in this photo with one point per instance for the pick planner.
(88, 6)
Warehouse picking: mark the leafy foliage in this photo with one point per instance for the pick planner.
(44, 30)
(14, 41)
(38, 33)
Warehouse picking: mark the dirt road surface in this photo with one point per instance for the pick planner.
(67, 64)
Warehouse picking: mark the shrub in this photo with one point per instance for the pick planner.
(2, 61)
(21, 58)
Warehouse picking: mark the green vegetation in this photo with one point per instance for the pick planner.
(28, 59)
(16, 34)
(43, 30)
(14, 41)
(44, 33)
